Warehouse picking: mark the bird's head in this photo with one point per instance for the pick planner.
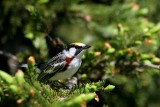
(76, 49)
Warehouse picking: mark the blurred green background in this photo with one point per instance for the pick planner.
(124, 34)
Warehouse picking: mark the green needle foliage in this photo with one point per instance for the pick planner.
(34, 94)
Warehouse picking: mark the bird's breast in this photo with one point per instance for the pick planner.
(75, 63)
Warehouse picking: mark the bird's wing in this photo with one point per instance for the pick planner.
(51, 67)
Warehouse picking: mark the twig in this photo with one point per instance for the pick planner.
(9, 55)
(139, 64)
(151, 65)
(55, 41)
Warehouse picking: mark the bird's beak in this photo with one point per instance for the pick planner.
(86, 47)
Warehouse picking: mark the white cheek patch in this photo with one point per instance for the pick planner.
(72, 51)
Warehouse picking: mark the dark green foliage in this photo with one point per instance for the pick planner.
(120, 70)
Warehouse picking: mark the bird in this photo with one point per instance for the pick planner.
(63, 65)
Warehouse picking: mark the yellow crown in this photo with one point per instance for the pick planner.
(77, 43)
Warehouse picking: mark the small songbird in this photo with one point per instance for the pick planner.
(64, 65)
